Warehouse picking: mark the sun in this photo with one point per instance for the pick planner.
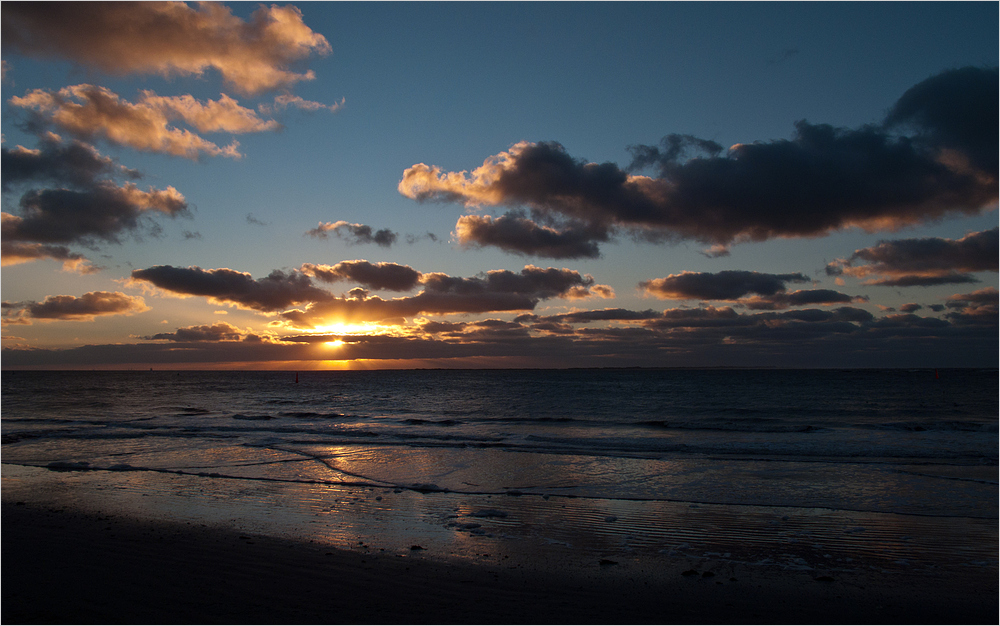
(334, 344)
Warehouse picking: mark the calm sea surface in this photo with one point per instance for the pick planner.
(892, 441)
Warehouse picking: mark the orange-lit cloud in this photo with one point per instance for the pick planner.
(922, 262)
(90, 112)
(73, 308)
(169, 39)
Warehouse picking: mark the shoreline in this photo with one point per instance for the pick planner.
(66, 566)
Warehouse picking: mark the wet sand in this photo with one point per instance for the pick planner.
(63, 566)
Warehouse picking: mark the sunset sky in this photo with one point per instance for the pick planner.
(339, 185)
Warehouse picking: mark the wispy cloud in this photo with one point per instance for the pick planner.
(354, 233)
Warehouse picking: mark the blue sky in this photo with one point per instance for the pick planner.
(451, 85)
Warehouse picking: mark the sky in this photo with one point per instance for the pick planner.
(474, 185)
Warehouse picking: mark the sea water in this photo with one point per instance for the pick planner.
(614, 459)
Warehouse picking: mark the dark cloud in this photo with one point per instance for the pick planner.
(354, 233)
(923, 262)
(955, 110)
(497, 290)
(101, 212)
(220, 331)
(910, 307)
(82, 308)
(254, 221)
(274, 292)
(74, 163)
(822, 180)
(87, 206)
(514, 232)
(16, 252)
(699, 337)
(725, 285)
(167, 38)
(597, 315)
(389, 276)
(802, 297)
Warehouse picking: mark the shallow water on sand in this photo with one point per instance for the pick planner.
(815, 470)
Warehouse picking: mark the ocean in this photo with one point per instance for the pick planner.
(807, 469)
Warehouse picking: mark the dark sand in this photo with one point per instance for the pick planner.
(60, 566)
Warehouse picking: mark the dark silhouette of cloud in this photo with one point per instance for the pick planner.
(725, 285)
(842, 337)
(101, 212)
(274, 292)
(923, 262)
(82, 308)
(389, 276)
(497, 290)
(955, 110)
(85, 207)
(168, 39)
(253, 221)
(803, 297)
(17, 252)
(822, 180)
(220, 331)
(74, 163)
(514, 232)
(354, 233)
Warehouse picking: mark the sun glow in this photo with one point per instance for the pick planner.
(343, 328)
(334, 344)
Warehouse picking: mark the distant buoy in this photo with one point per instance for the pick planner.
(936, 374)
(296, 377)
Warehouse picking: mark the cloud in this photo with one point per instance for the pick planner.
(274, 292)
(169, 39)
(72, 308)
(283, 101)
(354, 233)
(696, 337)
(923, 262)
(979, 308)
(74, 163)
(515, 233)
(17, 252)
(91, 112)
(497, 290)
(956, 111)
(101, 212)
(253, 221)
(389, 276)
(725, 285)
(802, 297)
(822, 180)
(220, 331)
